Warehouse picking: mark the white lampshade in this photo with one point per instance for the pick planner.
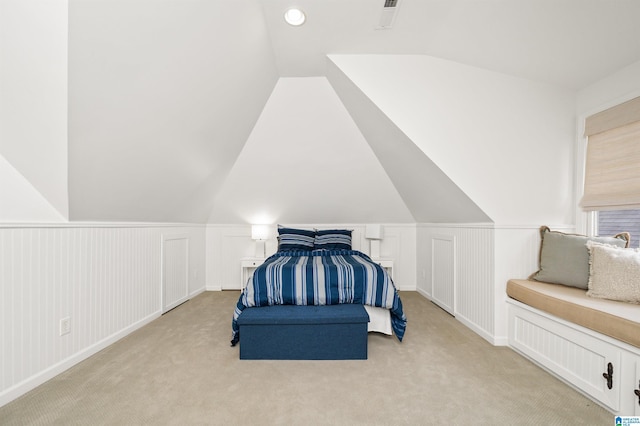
(259, 232)
(373, 232)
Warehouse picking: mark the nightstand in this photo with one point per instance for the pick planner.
(247, 266)
(387, 264)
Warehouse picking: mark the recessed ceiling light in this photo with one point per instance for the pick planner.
(294, 17)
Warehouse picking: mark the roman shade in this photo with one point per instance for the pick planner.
(612, 174)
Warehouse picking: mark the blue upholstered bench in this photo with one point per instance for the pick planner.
(304, 332)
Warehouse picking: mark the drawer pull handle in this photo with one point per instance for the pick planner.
(637, 392)
(609, 375)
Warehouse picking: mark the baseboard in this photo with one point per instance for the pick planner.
(479, 331)
(494, 340)
(501, 341)
(37, 379)
(197, 292)
(423, 293)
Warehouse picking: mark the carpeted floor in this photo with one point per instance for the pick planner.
(181, 370)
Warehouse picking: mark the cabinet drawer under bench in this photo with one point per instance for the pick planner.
(606, 370)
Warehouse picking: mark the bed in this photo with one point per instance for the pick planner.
(321, 268)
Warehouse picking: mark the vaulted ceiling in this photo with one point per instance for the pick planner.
(164, 94)
(570, 43)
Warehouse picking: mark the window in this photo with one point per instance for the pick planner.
(611, 222)
(612, 173)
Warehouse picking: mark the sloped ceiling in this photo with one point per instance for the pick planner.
(162, 97)
(570, 43)
(33, 110)
(428, 192)
(20, 201)
(164, 94)
(306, 159)
(463, 144)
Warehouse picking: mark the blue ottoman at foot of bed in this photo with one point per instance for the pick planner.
(304, 332)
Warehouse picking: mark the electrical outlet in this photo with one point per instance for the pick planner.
(65, 326)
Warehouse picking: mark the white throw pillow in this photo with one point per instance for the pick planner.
(614, 272)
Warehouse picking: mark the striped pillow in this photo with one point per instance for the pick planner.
(291, 239)
(333, 239)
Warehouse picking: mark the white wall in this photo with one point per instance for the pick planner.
(106, 278)
(33, 107)
(306, 161)
(228, 244)
(506, 142)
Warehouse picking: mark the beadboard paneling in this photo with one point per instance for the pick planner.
(474, 266)
(577, 357)
(578, 360)
(486, 257)
(175, 271)
(443, 271)
(517, 250)
(105, 279)
(228, 244)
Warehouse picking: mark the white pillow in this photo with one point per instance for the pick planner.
(614, 272)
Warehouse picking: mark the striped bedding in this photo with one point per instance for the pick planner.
(321, 277)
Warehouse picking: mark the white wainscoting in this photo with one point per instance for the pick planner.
(486, 256)
(517, 249)
(228, 244)
(175, 270)
(443, 271)
(104, 278)
(474, 266)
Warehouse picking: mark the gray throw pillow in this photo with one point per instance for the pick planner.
(564, 258)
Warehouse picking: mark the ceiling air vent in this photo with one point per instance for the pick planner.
(388, 14)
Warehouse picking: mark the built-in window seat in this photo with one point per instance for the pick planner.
(619, 320)
(592, 344)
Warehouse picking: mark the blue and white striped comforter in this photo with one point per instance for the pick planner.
(321, 277)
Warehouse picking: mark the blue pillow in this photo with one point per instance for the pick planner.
(291, 239)
(333, 239)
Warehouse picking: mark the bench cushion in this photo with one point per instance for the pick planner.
(304, 332)
(618, 320)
